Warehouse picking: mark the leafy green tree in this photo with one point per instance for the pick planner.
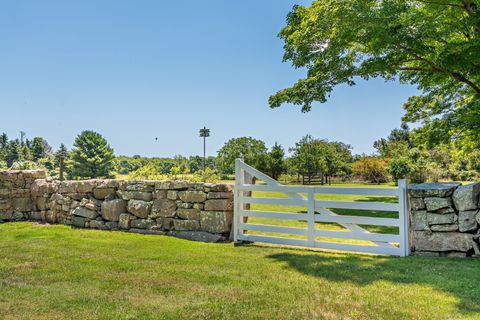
(252, 151)
(275, 161)
(338, 158)
(91, 156)
(434, 45)
(308, 156)
(399, 168)
(312, 157)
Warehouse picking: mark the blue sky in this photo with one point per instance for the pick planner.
(136, 70)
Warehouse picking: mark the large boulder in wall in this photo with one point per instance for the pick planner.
(112, 209)
(466, 197)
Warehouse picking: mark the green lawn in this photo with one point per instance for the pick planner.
(55, 272)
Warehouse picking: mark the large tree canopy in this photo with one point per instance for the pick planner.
(432, 44)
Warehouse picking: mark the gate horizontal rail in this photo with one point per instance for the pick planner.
(319, 211)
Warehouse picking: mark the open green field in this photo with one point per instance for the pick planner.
(55, 272)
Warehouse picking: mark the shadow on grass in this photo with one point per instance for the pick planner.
(457, 277)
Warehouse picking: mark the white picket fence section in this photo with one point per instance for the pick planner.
(319, 211)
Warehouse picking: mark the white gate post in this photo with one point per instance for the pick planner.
(311, 216)
(236, 204)
(404, 217)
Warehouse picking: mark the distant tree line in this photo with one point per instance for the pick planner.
(310, 160)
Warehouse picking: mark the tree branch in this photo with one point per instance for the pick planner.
(439, 69)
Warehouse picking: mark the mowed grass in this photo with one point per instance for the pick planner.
(56, 272)
(325, 226)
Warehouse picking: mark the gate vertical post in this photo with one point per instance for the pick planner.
(236, 204)
(311, 217)
(404, 217)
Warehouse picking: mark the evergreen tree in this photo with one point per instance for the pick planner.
(12, 152)
(91, 156)
(3, 140)
(38, 148)
(60, 156)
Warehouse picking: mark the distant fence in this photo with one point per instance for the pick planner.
(319, 211)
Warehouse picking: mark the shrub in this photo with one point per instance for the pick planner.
(371, 169)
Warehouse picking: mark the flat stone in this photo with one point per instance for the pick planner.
(186, 225)
(109, 183)
(426, 254)
(172, 194)
(199, 206)
(111, 225)
(84, 212)
(51, 217)
(139, 186)
(22, 204)
(466, 197)
(184, 205)
(102, 193)
(216, 221)
(189, 214)
(86, 186)
(434, 218)
(221, 188)
(139, 208)
(67, 187)
(442, 241)
(192, 196)
(135, 195)
(172, 185)
(466, 220)
(124, 221)
(180, 184)
(142, 223)
(18, 216)
(453, 254)
(445, 210)
(159, 194)
(417, 203)
(95, 224)
(432, 189)
(435, 203)
(220, 195)
(444, 227)
(4, 193)
(144, 231)
(78, 222)
(219, 205)
(5, 204)
(112, 209)
(197, 236)
(163, 208)
(419, 220)
(165, 223)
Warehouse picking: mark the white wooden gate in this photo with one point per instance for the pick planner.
(319, 211)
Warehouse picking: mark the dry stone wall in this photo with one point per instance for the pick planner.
(196, 211)
(445, 219)
(15, 193)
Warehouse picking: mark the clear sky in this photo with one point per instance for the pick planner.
(134, 70)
